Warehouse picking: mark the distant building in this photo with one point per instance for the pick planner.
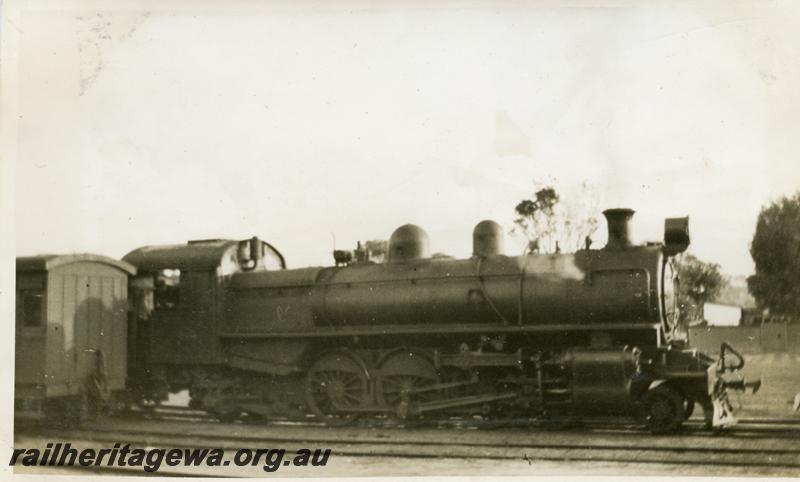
(716, 314)
(736, 293)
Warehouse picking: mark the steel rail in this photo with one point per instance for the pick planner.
(752, 429)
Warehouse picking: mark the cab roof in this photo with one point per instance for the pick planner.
(194, 255)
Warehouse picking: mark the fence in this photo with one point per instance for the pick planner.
(767, 338)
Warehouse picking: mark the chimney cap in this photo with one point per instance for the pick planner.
(619, 212)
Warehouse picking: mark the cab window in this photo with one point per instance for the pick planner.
(166, 289)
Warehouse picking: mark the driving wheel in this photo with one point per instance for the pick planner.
(335, 383)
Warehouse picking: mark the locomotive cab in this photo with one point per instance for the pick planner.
(178, 294)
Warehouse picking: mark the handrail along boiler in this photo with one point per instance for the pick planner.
(580, 334)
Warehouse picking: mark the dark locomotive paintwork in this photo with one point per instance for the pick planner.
(418, 335)
(186, 331)
(612, 288)
(582, 288)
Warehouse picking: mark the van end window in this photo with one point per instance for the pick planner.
(32, 301)
(167, 288)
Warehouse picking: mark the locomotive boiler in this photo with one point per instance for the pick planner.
(620, 287)
(591, 332)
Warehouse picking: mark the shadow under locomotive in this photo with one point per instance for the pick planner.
(588, 333)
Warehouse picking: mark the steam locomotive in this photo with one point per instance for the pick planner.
(587, 333)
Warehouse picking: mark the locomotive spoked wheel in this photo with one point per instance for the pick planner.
(401, 372)
(665, 410)
(335, 383)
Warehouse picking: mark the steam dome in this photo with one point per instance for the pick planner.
(408, 242)
(487, 239)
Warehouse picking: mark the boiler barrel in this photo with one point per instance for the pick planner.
(587, 287)
(554, 289)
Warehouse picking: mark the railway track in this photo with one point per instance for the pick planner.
(768, 455)
(786, 428)
(746, 428)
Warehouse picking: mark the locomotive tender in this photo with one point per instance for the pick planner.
(591, 332)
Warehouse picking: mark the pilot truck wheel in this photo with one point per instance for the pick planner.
(665, 409)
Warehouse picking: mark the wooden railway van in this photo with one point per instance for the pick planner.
(71, 331)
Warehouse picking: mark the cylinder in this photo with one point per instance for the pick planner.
(487, 239)
(618, 221)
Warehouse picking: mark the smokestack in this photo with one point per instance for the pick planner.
(618, 221)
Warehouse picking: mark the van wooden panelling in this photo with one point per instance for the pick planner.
(84, 310)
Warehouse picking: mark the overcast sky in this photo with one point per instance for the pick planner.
(142, 125)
